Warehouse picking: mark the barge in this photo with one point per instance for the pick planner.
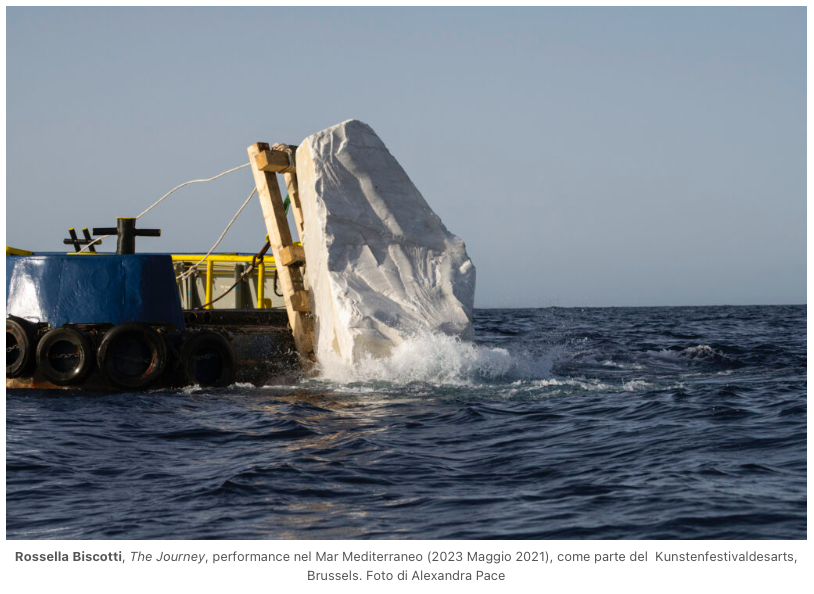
(383, 268)
(128, 321)
(109, 321)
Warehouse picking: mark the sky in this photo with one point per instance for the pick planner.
(587, 156)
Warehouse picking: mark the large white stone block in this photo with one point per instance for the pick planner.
(381, 265)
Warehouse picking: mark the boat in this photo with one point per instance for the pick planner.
(128, 321)
(131, 321)
(123, 321)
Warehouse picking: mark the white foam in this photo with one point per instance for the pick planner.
(610, 363)
(636, 385)
(582, 384)
(438, 365)
(437, 359)
(194, 388)
(701, 352)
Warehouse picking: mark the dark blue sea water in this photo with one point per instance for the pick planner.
(561, 423)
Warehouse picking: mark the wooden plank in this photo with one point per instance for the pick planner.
(292, 255)
(300, 301)
(271, 201)
(272, 161)
(292, 185)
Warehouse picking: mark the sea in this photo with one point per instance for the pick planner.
(557, 423)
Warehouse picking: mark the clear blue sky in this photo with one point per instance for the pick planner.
(588, 157)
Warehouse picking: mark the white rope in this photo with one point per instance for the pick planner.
(194, 267)
(99, 239)
(157, 202)
(194, 181)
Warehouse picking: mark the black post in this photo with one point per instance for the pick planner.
(126, 232)
(75, 239)
(86, 233)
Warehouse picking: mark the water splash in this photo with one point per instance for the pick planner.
(436, 359)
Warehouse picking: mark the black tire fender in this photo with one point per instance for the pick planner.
(132, 355)
(21, 346)
(207, 359)
(65, 356)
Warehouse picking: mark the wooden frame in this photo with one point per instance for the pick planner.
(265, 162)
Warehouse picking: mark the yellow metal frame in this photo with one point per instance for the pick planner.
(218, 258)
(214, 266)
(214, 259)
(10, 251)
(212, 269)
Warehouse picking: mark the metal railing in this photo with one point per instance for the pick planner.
(221, 263)
(216, 264)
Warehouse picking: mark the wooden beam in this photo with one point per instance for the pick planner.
(294, 294)
(292, 185)
(292, 255)
(272, 161)
(300, 301)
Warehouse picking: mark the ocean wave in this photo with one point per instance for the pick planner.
(636, 386)
(582, 384)
(702, 353)
(442, 434)
(617, 365)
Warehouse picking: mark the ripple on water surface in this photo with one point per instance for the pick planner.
(558, 423)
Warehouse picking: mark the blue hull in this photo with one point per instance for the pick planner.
(93, 295)
(95, 289)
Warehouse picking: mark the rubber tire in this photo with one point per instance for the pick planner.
(74, 375)
(220, 346)
(23, 334)
(153, 341)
